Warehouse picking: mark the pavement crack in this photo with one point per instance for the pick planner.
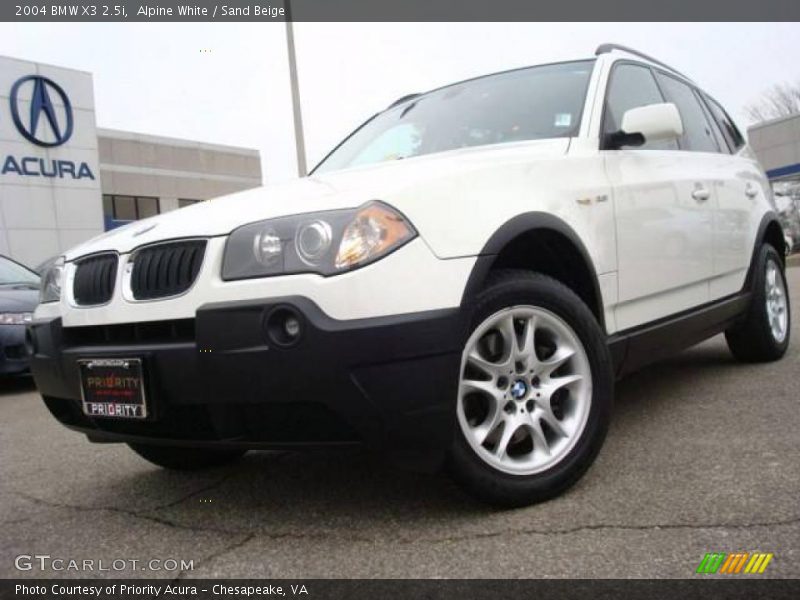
(14, 521)
(192, 494)
(248, 536)
(295, 535)
(130, 513)
(610, 527)
(221, 552)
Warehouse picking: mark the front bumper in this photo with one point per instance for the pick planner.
(218, 380)
(13, 354)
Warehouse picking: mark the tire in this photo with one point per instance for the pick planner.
(186, 459)
(754, 339)
(523, 472)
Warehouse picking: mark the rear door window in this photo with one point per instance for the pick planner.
(697, 135)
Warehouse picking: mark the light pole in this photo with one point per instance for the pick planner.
(296, 112)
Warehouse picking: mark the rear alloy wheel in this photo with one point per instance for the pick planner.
(763, 335)
(535, 391)
(777, 302)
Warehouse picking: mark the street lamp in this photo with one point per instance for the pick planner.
(296, 112)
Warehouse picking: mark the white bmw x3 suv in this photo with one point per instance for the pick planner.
(458, 284)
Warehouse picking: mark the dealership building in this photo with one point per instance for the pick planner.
(63, 180)
(777, 144)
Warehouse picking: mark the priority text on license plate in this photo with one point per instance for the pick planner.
(113, 387)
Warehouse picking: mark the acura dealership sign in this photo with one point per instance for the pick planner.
(42, 114)
(50, 193)
(31, 166)
(42, 108)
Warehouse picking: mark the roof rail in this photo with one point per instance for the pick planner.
(606, 48)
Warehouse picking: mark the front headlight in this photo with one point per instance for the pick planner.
(327, 243)
(15, 318)
(50, 290)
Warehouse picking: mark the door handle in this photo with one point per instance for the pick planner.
(750, 190)
(701, 194)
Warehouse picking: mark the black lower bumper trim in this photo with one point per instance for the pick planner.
(388, 382)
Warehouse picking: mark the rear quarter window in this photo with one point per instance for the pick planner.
(729, 130)
(697, 134)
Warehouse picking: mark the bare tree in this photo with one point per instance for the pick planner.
(781, 100)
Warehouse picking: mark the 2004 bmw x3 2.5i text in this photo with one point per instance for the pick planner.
(470, 306)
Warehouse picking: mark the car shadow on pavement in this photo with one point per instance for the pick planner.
(16, 385)
(269, 491)
(284, 489)
(700, 363)
(276, 491)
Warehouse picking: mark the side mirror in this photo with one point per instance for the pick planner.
(649, 123)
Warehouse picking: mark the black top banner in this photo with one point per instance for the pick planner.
(399, 10)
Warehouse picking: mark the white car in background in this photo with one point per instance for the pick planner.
(458, 284)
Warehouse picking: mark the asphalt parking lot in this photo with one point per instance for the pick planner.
(703, 455)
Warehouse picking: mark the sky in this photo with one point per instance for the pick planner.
(228, 83)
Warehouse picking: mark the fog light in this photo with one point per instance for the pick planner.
(292, 327)
(284, 326)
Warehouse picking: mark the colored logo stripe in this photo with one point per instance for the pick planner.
(734, 563)
(711, 562)
(759, 562)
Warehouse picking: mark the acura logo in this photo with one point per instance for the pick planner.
(41, 121)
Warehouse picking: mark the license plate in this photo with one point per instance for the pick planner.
(113, 388)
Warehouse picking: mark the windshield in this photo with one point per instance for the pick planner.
(12, 273)
(525, 104)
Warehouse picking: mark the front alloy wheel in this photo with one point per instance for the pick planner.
(525, 390)
(535, 391)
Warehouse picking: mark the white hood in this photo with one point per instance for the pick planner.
(406, 184)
